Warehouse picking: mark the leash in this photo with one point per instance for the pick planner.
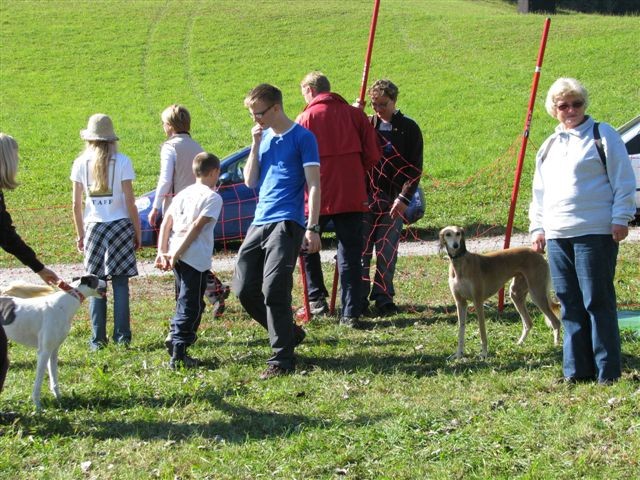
(62, 285)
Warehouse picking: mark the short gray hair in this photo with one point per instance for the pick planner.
(565, 87)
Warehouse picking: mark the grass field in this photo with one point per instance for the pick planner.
(464, 69)
(384, 403)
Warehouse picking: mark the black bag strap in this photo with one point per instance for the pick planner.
(597, 139)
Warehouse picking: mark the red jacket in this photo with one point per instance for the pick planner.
(349, 148)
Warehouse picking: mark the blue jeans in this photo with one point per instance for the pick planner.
(98, 314)
(263, 280)
(382, 232)
(190, 287)
(348, 227)
(583, 269)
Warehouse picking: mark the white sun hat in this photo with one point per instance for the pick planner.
(100, 127)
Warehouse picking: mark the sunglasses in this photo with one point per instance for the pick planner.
(575, 105)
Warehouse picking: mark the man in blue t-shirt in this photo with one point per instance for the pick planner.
(283, 158)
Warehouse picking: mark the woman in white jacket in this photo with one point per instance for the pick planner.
(583, 199)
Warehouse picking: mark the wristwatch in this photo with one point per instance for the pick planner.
(314, 228)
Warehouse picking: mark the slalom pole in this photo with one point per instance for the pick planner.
(367, 58)
(305, 290)
(523, 146)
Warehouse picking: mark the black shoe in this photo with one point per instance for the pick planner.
(184, 362)
(388, 309)
(351, 322)
(605, 382)
(181, 359)
(298, 334)
(275, 371)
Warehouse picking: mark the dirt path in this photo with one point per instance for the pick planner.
(224, 262)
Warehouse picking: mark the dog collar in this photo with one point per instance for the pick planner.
(62, 285)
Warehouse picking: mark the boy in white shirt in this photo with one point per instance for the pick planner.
(186, 245)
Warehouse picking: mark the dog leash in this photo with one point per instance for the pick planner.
(62, 285)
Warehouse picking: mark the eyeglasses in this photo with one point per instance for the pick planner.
(259, 115)
(379, 105)
(575, 105)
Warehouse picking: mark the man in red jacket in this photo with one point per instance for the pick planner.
(349, 148)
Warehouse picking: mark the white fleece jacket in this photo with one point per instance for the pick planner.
(573, 195)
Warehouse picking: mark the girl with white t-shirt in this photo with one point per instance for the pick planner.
(108, 231)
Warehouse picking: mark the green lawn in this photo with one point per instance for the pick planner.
(384, 403)
(464, 69)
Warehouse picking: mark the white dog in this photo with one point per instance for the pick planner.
(44, 322)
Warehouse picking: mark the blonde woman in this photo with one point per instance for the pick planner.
(10, 241)
(176, 159)
(108, 231)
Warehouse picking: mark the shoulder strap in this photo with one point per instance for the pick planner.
(546, 150)
(598, 141)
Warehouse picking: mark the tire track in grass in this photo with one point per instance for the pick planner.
(146, 53)
(231, 130)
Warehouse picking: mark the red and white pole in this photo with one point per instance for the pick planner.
(523, 146)
(367, 58)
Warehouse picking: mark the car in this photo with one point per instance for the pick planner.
(239, 204)
(630, 133)
(238, 208)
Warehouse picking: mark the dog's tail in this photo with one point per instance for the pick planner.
(21, 289)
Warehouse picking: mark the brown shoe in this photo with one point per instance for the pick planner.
(275, 371)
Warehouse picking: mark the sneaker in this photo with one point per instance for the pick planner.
(275, 371)
(298, 335)
(351, 322)
(388, 309)
(319, 307)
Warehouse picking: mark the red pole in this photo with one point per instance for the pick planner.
(523, 146)
(367, 59)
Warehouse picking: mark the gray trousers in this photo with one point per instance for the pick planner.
(382, 233)
(263, 280)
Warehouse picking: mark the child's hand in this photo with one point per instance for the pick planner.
(162, 261)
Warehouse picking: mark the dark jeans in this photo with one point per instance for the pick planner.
(382, 232)
(348, 227)
(583, 269)
(263, 280)
(190, 285)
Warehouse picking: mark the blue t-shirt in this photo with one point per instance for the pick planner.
(282, 181)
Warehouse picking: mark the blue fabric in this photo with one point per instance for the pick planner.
(282, 180)
(191, 284)
(348, 228)
(121, 314)
(583, 269)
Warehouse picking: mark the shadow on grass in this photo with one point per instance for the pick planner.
(241, 423)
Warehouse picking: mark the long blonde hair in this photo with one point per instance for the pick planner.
(102, 153)
(8, 162)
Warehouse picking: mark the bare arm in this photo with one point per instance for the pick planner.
(252, 167)
(162, 260)
(311, 242)
(130, 201)
(78, 221)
